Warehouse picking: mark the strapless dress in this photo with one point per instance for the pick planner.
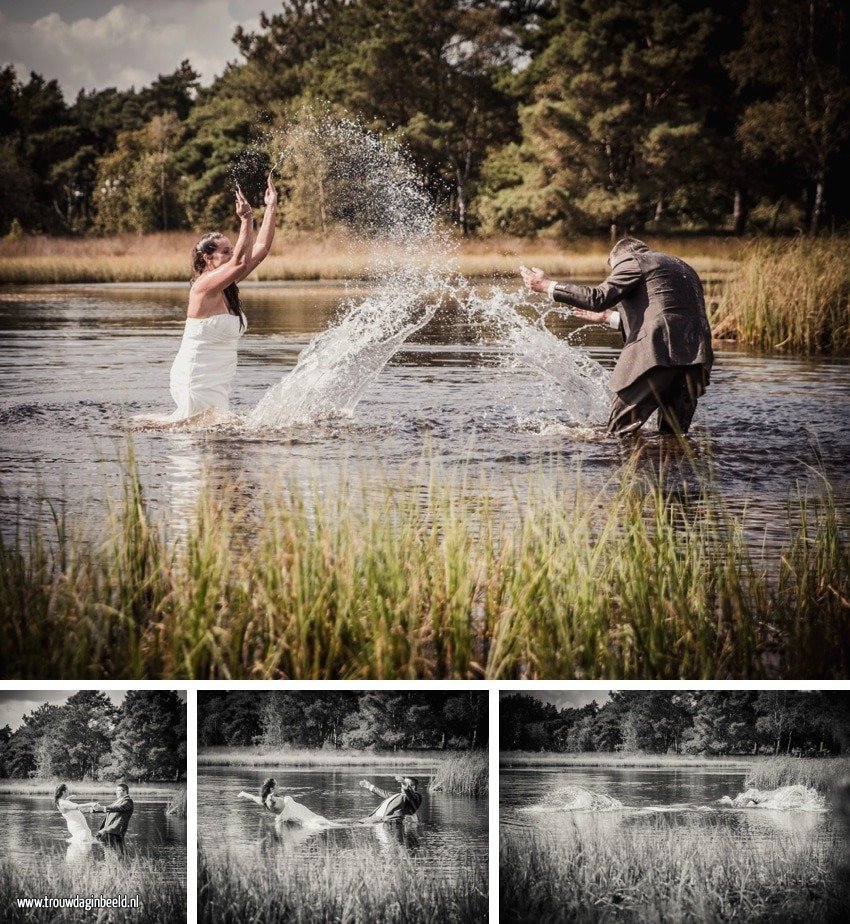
(203, 369)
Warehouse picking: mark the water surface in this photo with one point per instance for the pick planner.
(33, 832)
(654, 802)
(448, 833)
(77, 362)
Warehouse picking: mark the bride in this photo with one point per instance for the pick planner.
(287, 810)
(206, 361)
(72, 812)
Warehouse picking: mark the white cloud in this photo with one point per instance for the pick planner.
(129, 44)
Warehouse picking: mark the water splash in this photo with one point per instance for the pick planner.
(576, 799)
(356, 179)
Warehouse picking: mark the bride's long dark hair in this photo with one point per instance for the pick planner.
(61, 789)
(265, 789)
(207, 246)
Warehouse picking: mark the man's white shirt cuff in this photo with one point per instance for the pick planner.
(614, 320)
(552, 289)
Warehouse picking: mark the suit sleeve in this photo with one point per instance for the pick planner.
(121, 807)
(379, 792)
(625, 276)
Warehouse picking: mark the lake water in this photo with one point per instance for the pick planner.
(451, 831)
(654, 802)
(77, 362)
(33, 831)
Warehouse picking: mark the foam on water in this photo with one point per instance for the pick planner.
(376, 192)
(576, 799)
(785, 799)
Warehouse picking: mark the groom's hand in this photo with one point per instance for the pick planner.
(535, 279)
(595, 317)
(364, 784)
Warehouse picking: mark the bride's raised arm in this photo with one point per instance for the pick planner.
(251, 797)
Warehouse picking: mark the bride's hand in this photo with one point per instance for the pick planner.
(243, 206)
(270, 197)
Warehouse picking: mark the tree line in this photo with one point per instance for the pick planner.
(371, 720)
(687, 722)
(88, 738)
(525, 116)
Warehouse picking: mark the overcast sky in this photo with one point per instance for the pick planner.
(563, 698)
(94, 44)
(15, 704)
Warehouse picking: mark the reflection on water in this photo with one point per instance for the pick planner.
(78, 362)
(445, 833)
(32, 831)
(656, 803)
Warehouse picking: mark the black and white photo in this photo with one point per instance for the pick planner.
(342, 806)
(93, 806)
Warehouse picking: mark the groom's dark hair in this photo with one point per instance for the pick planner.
(124, 786)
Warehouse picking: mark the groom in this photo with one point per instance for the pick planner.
(667, 357)
(395, 805)
(114, 827)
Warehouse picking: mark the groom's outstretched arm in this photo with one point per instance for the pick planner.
(365, 784)
(624, 277)
(120, 806)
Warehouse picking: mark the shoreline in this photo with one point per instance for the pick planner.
(250, 757)
(519, 759)
(84, 788)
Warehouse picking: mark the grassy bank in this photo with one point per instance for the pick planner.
(377, 890)
(792, 295)
(668, 875)
(89, 788)
(161, 899)
(164, 258)
(293, 757)
(466, 774)
(659, 761)
(653, 582)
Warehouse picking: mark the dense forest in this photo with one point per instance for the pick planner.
(88, 738)
(373, 720)
(687, 722)
(525, 116)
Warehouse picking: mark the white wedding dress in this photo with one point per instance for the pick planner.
(291, 812)
(204, 366)
(77, 824)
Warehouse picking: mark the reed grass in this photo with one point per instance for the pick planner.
(378, 889)
(466, 774)
(820, 773)
(177, 806)
(295, 757)
(164, 258)
(793, 295)
(161, 897)
(669, 875)
(380, 581)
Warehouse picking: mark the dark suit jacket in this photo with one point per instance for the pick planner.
(117, 817)
(662, 310)
(406, 802)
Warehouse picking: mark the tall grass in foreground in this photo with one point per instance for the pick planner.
(793, 295)
(671, 875)
(821, 773)
(161, 897)
(379, 889)
(654, 582)
(466, 774)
